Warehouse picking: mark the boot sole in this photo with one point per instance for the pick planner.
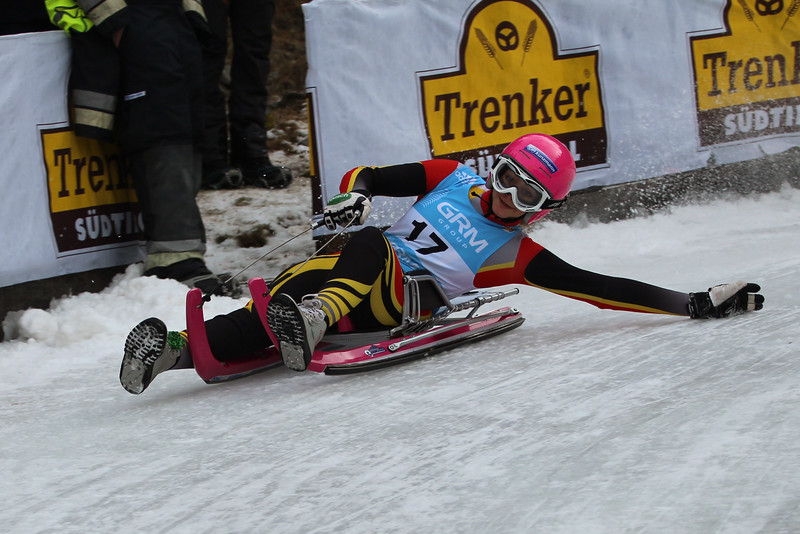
(286, 322)
(143, 346)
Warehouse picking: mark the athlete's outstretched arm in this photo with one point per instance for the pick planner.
(534, 265)
(548, 271)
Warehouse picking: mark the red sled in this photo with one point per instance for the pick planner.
(346, 350)
(207, 366)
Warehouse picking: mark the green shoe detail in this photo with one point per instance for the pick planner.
(176, 340)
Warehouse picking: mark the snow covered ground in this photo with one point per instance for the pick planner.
(579, 421)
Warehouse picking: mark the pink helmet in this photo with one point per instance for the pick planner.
(546, 167)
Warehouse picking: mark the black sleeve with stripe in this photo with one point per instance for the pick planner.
(548, 271)
(404, 180)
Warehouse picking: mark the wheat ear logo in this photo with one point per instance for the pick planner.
(513, 78)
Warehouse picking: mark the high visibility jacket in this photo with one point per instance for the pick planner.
(67, 15)
(95, 78)
(81, 15)
(108, 15)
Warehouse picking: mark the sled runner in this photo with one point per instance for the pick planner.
(346, 350)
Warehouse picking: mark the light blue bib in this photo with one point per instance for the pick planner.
(444, 234)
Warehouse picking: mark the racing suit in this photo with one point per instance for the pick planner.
(450, 233)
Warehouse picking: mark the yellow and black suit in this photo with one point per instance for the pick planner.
(364, 282)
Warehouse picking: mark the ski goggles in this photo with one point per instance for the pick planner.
(526, 193)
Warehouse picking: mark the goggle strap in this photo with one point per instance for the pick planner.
(550, 204)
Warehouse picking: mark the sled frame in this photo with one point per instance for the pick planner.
(349, 351)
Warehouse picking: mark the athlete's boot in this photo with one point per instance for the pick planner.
(149, 351)
(298, 328)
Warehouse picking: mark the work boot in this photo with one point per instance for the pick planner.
(249, 152)
(259, 172)
(298, 328)
(220, 175)
(149, 351)
(193, 273)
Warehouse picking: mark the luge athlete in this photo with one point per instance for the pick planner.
(464, 230)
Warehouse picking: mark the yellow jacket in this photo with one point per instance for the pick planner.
(107, 15)
(94, 79)
(68, 15)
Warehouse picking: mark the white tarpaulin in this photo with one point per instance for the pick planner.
(62, 210)
(637, 90)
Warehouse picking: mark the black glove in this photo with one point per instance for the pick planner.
(725, 300)
(346, 208)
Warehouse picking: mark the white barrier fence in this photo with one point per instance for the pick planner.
(636, 90)
(67, 206)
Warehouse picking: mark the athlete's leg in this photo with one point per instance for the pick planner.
(365, 278)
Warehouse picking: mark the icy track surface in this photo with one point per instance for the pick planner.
(580, 421)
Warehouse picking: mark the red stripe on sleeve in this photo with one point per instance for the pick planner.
(497, 275)
(348, 179)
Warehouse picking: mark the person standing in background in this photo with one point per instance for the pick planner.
(246, 160)
(137, 76)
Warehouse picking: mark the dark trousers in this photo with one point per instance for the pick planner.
(160, 123)
(167, 179)
(251, 34)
